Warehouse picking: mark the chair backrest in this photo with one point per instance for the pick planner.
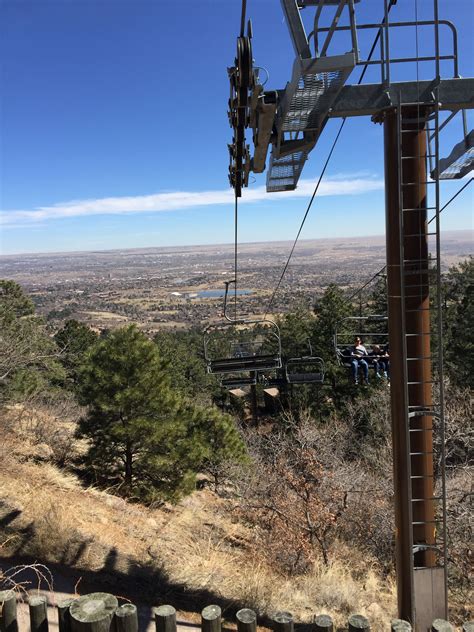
(242, 346)
(304, 370)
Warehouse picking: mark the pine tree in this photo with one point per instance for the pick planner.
(28, 356)
(331, 310)
(73, 340)
(459, 323)
(143, 436)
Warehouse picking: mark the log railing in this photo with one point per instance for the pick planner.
(100, 612)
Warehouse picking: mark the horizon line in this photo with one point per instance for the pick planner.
(218, 244)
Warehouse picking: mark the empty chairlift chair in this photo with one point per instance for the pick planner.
(239, 381)
(304, 370)
(242, 347)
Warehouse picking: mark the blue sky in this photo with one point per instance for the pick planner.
(114, 129)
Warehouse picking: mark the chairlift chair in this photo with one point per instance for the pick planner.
(254, 345)
(304, 370)
(239, 381)
(362, 326)
(307, 369)
(277, 379)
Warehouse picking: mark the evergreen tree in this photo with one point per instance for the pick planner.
(73, 340)
(28, 356)
(13, 300)
(296, 329)
(143, 436)
(331, 310)
(459, 323)
(183, 354)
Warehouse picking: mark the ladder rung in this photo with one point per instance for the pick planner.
(421, 119)
(425, 156)
(427, 382)
(421, 234)
(420, 476)
(423, 309)
(424, 208)
(426, 413)
(420, 429)
(428, 333)
(410, 184)
(420, 358)
(419, 522)
(417, 271)
(420, 453)
(421, 500)
(412, 131)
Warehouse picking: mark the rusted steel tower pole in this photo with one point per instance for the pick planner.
(410, 359)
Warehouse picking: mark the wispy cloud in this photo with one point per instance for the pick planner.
(342, 184)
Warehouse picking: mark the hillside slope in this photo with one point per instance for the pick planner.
(190, 554)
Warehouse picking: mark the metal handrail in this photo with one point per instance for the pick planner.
(381, 25)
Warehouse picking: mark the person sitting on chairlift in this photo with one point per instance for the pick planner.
(357, 354)
(380, 361)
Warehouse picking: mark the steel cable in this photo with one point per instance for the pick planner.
(270, 303)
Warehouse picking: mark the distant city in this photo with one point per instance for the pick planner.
(178, 288)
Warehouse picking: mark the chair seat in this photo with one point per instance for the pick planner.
(249, 363)
(305, 378)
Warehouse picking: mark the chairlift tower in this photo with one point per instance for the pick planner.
(290, 122)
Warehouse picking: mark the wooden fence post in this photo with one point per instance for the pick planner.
(64, 616)
(246, 620)
(165, 619)
(440, 625)
(8, 619)
(357, 622)
(38, 613)
(93, 613)
(283, 622)
(211, 619)
(126, 618)
(399, 625)
(323, 623)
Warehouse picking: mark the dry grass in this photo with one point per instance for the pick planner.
(197, 543)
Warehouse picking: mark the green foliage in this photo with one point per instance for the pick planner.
(296, 331)
(73, 340)
(331, 310)
(14, 301)
(28, 356)
(459, 323)
(143, 436)
(183, 354)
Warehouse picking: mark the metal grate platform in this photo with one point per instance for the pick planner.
(283, 173)
(311, 99)
(302, 114)
(460, 162)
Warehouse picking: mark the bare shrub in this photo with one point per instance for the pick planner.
(459, 427)
(47, 422)
(460, 537)
(368, 422)
(295, 494)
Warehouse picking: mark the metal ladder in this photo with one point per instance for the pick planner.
(421, 327)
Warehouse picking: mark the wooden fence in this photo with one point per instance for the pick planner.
(100, 612)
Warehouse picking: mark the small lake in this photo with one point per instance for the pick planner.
(221, 293)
